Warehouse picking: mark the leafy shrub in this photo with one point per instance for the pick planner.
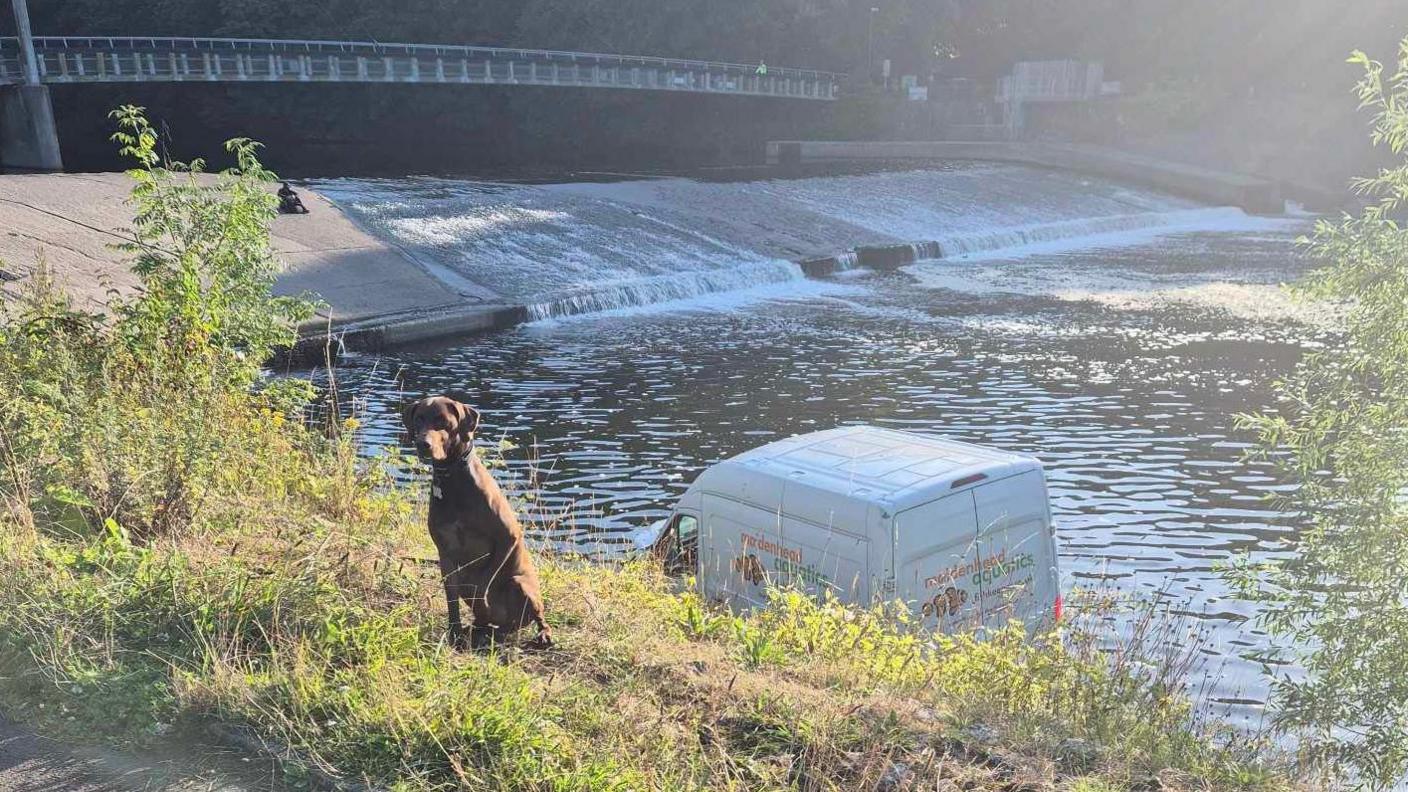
(1339, 600)
(136, 415)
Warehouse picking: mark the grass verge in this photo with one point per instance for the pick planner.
(329, 641)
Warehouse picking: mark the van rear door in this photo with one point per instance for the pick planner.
(936, 560)
(1016, 549)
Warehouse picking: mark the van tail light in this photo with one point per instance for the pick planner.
(1058, 609)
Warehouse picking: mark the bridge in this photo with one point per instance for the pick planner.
(30, 64)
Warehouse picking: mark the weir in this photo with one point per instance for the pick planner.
(566, 249)
(407, 260)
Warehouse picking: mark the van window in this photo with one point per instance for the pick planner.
(681, 552)
(686, 527)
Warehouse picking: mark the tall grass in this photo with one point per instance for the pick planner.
(180, 542)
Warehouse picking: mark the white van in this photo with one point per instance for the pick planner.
(961, 533)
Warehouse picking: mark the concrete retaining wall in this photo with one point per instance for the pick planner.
(1254, 195)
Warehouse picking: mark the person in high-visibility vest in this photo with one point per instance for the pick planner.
(762, 69)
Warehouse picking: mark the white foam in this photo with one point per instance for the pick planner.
(459, 228)
(1259, 302)
(1041, 270)
(725, 300)
(678, 286)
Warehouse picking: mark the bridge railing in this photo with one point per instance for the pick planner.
(159, 54)
(11, 70)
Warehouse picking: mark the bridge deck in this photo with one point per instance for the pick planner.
(73, 59)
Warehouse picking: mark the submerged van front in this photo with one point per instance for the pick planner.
(960, 532)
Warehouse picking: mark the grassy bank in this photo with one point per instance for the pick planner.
(181, 541)
(324, 638)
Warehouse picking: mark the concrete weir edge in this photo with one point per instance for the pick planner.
(1253, 194)
(318, 340)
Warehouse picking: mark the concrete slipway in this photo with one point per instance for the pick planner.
(374, 292)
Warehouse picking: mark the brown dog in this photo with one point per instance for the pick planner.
(482, 554)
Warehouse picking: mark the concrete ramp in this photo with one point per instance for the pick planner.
(73, 221)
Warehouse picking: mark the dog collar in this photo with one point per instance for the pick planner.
(438, 474)
(441, 470)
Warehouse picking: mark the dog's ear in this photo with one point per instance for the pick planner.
(408, 415)
(469, 420)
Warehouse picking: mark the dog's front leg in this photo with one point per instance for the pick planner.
(481, 633)
(457, 637)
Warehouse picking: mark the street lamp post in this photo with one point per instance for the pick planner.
(31, 64)
(869, 46)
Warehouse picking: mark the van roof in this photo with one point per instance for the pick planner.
(898, 469)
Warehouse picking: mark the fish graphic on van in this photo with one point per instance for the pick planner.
(945, 604)
(750, 568)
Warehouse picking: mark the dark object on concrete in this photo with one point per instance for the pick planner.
(822, 266)
(289, 202)
(483, 555)
(29, 138)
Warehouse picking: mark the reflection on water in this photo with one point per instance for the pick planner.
(1130, 406)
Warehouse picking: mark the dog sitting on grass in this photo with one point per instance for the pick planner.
(483, 558)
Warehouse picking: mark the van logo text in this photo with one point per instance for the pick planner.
(987, 571)
(772, 548)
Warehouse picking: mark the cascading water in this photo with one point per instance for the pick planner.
(556, 253)
(952, 246)
(578, 248)
(664, 288)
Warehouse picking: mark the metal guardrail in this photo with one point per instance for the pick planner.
(11, 70)
(64, 59)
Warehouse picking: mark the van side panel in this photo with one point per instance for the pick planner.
(1015, 549)
(817, 559)
(737, 545)
(935, 562)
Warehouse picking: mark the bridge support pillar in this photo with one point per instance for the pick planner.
(29, 138)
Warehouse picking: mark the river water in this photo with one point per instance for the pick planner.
(1114, 333)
